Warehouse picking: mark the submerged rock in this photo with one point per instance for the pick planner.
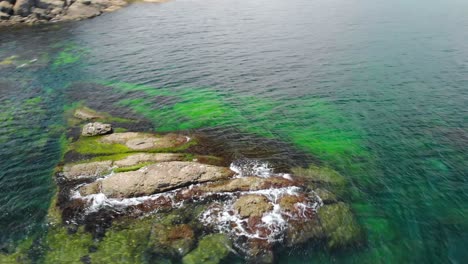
(86, 114)
(95, 129)
(156, 178)
(339, 225)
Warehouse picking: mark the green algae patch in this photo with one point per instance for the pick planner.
(65, 247)
(93, 146)
(54, 215)
(212, 249)
(339, 224)
(132, 168)
(124, 243)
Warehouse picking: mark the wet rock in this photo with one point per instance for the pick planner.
(95, 129)
(246, 184)
(89, 170)
(259, 251)
(339, 225)
(138, 158)
(6, 8)
(4, 16)
(49, 4)
(86, 114)
(212, 249)
(41, 13)
(143, 141)
(172, 240)
(157, 178)
(252, 205)
(23, 7)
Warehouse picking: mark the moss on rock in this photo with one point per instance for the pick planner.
(65, 247)
(212, 249)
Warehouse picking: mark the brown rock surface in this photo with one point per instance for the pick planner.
(252, 205)
(86, 170)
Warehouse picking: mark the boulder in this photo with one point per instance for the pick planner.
(78, 11)
(23, 7)
(252, 205)
(41, 13)
(89, 170)
(95, 129)
(156, 178)
(6, 7)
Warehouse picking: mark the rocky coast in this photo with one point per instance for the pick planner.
(138, 197)
(48, 11)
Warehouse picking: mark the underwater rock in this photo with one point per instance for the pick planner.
(89, 170)
(86, 114)
(95, 129)
(252, 205)
(172, 240)
(156, 178)
(339, 225)
(211, 250)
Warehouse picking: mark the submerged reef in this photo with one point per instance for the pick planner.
(139, 197)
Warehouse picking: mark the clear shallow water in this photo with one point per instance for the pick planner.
(376, 89)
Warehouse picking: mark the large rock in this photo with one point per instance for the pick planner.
(89, 170)
(95, 129)
(252, 205)
(156, 178)
(78, 11)
(23, 7)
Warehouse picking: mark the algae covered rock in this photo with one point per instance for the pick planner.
(339, 225)
(211, 249)
(67, 247)
(252, 205)
(156, 178)
(95, 129)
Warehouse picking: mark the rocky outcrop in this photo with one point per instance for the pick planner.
(171, 205)
(43, 11)
(156, 178)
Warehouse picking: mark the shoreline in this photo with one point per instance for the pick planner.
(30, 12)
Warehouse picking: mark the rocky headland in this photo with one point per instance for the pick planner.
(138, 197)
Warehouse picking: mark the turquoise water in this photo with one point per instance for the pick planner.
(375, 89)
